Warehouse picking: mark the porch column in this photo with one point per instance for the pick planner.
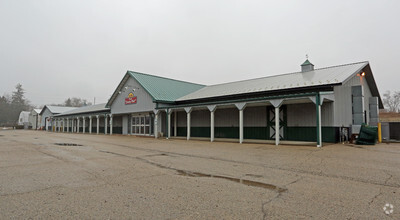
(277, 126)
(156, 112)
(212, 109)
(188, 111)
(105, 123)
(84, 124)
(318, 102)
(90, 124)
(175, 123)
(77, 126)
(73, 125)
(241, 107)
(319, 127)
(277, 103)
(169, 112)
(97, 127)
(67, 125)
(111, 124)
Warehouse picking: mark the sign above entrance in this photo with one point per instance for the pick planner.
(131, 99)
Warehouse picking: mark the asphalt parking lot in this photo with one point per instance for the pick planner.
(48, 175)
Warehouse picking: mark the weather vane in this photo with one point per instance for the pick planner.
(307, 56)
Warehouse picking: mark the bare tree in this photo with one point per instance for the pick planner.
(76, 102)
(392, 101)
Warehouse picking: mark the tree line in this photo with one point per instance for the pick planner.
(12, 105)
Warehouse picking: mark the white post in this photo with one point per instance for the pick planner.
(169, 123)
(67, 124)
(83, 125)
(277, 125)
(175, 123)
(156, 125)
(90, 124)
(212, 126)
(77, 127)
(277, 103)
(241, 106)
(212, 109)
(105, 123)
(241, 126)
(320, 126)
(111, 124)
(97, 127)
(188, 126)
(188, 111)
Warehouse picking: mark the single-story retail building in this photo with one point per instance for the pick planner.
(92, 118)
(47, 113)
(312, 105)
(34, 118)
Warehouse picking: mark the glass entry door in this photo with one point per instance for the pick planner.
(141, 125)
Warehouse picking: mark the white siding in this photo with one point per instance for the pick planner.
(227, 117)
(144, 100)
(299, 115)
(343, 103)
(46, 114)
(254, 116)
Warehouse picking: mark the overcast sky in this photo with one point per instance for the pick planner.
(73, 48)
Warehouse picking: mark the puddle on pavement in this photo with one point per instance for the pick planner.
(67, 144)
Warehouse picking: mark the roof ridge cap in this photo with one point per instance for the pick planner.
(162, 77)
(287, 73)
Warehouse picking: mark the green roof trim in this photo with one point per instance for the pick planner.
(307, 62)
(164, 89)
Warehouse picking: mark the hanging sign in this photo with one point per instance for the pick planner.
(131, 99)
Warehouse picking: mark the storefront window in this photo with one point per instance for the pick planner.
(142, 125)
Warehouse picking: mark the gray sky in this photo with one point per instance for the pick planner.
(73, 48)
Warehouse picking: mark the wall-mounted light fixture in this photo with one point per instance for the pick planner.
(128, 87)
(361, 74)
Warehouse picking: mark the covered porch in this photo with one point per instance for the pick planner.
(303, 119)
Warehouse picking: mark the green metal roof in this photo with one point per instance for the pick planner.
(164, 89)
(307, 62)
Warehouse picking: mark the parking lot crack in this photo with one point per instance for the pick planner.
(199, 174)
(380, 189)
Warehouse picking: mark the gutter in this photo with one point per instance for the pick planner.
(264, 98)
